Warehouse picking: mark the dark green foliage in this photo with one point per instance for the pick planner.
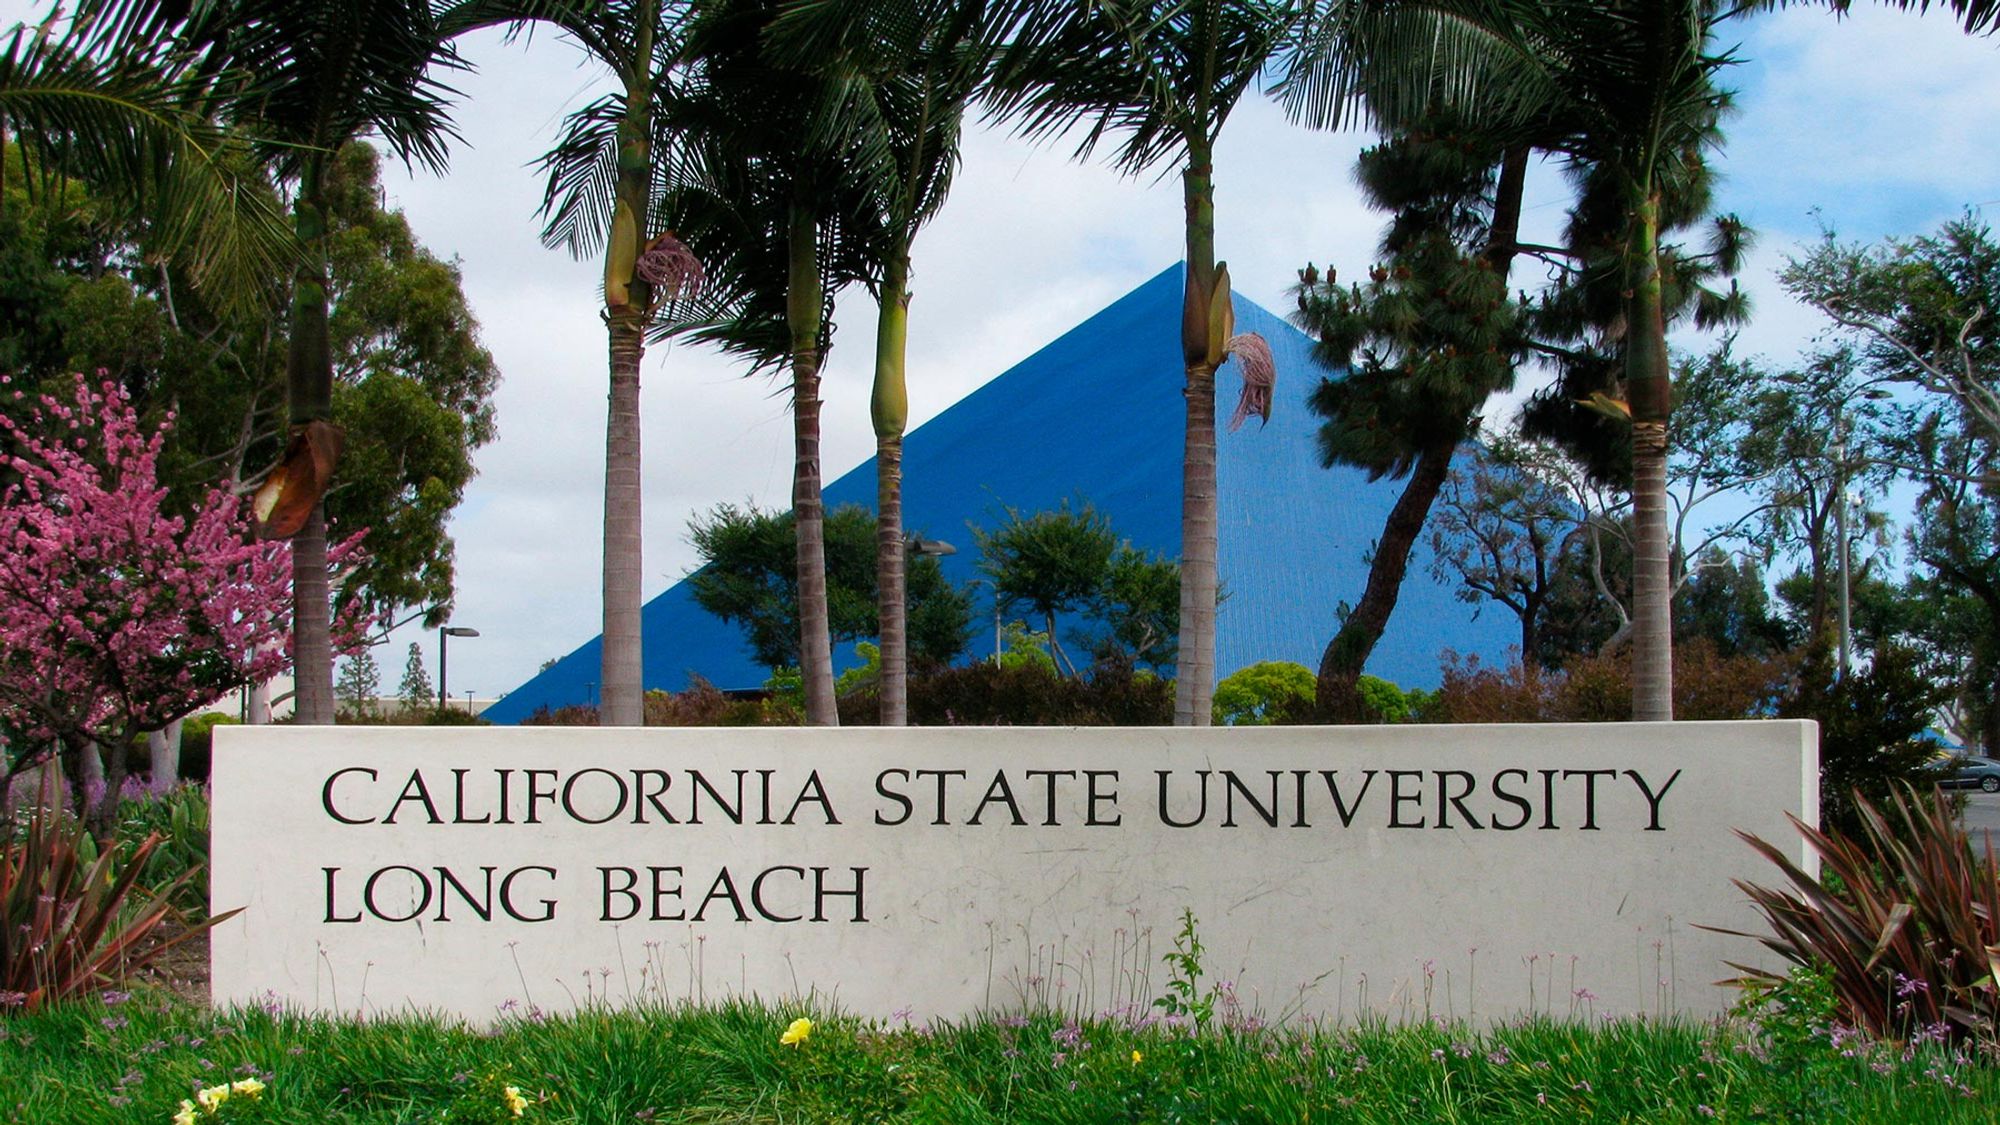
(1903, 917)
(358, 687)
(1431, 334)
(1050, 562)
(1871, 727)
(1725, 603)
(749, 577)
(198, 742)
(1055, 562)
(74, 919)
(1024, 695)
(415, 690)
(1140, 605)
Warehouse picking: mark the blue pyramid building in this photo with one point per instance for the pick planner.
(1098, 416)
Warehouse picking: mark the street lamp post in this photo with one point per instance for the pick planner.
(1838, 453)
(445, 634)
(988, 583)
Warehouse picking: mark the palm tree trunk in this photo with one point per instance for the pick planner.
(621, 701)
(628, 303)
(1335, 696)
(309, 385)
(889, 407)
(1195, 675)
(1649, 386)
(804, 309)
(312, 625)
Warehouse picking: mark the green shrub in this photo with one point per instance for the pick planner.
(1029, 695)
(1386, 702)
(1263, 693)
(198, 743)
(1871, 724)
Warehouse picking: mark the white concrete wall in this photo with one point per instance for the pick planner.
(1478, 871)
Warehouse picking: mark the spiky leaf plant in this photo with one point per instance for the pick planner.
(1904, 913)
(70, 925)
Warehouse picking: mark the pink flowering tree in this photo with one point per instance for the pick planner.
(118, 616)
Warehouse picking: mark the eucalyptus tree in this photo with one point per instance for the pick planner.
(609, 192)
(909, 69)
(1165, 75)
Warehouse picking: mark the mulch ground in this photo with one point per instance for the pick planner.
(183, 968)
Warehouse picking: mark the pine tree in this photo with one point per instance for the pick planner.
(417, 693)
(360, 682)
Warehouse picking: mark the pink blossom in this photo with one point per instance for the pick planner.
(116, 615)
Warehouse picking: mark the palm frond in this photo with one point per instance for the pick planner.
(582, 172)
(131, 127)
(1978, 17)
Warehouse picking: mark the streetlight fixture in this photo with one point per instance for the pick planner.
(445, 634)
(927, 548)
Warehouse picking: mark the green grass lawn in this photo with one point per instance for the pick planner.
(134, 1060)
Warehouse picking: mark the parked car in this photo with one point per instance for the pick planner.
(1973, 772)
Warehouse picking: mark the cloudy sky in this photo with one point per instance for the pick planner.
(1879, 125)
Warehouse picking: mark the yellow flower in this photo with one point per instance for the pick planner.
(797, 1033)
(515, 1101)
(212, 1098)
(186, 1114)
(248, 1087)
(1137, 1058)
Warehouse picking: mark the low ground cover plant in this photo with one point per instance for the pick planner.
(137, 1058)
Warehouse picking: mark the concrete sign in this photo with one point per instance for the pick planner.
(1454, 871)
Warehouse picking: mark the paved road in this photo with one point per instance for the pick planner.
(1982, 820)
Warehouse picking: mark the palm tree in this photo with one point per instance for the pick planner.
(608, 181)
(315, 75)
(909, 70)
(779, 198)
(1635, 87)
(1166, 75)
(1980, 17)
